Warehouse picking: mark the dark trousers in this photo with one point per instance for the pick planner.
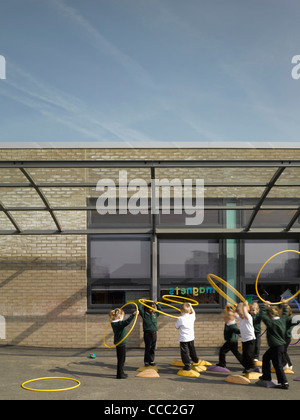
(248, 354)
(285, 357)
(274, 354)
(257, 346)
(188, 352)
(150, 339)
(121, 357)
(228, 346)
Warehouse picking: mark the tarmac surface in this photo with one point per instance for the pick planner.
(98, 377)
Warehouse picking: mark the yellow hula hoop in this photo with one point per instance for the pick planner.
(167, 298)
(134, 322)
(50, 390)
(220, 291)
(157, 310)
(258, 275)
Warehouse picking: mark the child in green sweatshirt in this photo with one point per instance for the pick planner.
(118, 325)
(276, 330)
(231, 340)
(149, 317)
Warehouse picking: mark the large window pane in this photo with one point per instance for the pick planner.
(119, 269)
(283, 266)
(119, 258)
(184, 265)
(186, 258)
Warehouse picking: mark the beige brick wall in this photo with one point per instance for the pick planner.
(43, 279)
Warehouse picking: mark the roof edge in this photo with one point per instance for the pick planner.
(149, 145)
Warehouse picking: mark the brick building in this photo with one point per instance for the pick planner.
(64, 265)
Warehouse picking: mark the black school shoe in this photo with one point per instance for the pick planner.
(122, 376)
(283, 386)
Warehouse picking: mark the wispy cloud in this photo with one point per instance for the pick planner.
(131, 66)
(63, 108)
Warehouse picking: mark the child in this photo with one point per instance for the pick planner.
(150, 331)
(254, 312)
(286, 361)
(118, 324)
(185, 325)
(248, 335)
(231, 340)
(276, 330)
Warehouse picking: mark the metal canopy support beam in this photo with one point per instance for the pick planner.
(23, 166)
(263, 197)
(43, 198)
(10, 217)
(292, 221)
(172, 233)
(149, 163)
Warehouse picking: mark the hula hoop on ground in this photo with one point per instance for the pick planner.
(167, 298)
(157, 310)
(50, 390)
(223, 294)
(134, 322)
(258, 275)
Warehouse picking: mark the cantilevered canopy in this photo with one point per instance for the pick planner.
(56, 197)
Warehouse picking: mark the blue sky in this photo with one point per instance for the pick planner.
(149, 70)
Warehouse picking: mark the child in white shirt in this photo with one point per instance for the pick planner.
(185, 325)
(248, 336)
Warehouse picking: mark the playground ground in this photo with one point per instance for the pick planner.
(97, 377)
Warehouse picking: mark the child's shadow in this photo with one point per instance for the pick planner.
(97, 365)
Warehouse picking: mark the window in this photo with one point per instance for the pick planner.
(279, 277)
(119, 269)
(96, 220)
(212, 217)
(184, 265)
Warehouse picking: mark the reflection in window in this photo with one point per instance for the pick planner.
(282, 266)
(182, 258)
(272, 292)
(112, 258)
(119, 269)
(184, 265)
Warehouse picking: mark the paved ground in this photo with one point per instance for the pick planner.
(97, 377)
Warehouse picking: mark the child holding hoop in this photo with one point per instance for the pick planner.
(276, 329)
(254, 312)
(149, 317)
(248, 335)
(118, 325)
(185, 325)
(231, 340)
(286, 361)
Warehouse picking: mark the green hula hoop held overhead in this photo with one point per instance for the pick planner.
(133, 325)
(259, 273)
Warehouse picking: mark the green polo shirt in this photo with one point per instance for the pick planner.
(119, 329)
(149, 320)
(276, 327)
(230, 333)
